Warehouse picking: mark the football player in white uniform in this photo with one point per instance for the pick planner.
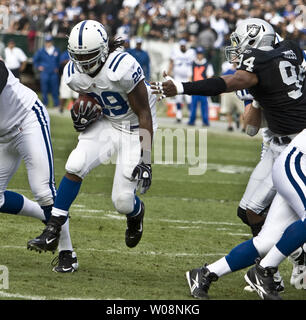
(99, 68)
(180, 67)
(25, 135)
(260, 193)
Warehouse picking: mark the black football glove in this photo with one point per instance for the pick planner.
(86, 115)
(143, 173)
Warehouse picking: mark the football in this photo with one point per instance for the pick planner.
(84, 112)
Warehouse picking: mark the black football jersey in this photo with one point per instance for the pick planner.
(281, 89)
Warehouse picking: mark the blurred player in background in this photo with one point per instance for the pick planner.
(180, 67)
(100, 68)
(201, 69)
(275, 77)
(25, 135)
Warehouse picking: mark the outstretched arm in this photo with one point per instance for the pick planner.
(208, 87)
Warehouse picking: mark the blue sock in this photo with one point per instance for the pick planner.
(178, 106)
(66, 194)
(242, 256)
(47, 212)
(13, 202)
(293, 237)
(137, 204)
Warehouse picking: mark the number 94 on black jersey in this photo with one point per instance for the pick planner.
(281, 85)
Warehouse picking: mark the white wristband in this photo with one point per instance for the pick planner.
(178, 85)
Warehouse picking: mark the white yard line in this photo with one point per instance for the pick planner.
(146, 253)
(29, 297)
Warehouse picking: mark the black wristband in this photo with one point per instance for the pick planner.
(207, 87)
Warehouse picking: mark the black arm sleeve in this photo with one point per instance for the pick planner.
(207, 87)
(3, 76)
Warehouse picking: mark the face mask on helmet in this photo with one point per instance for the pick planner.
(87, 63)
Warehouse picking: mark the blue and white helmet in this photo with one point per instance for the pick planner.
(88, 46)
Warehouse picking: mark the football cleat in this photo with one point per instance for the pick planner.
(66, 262)
(199, 281)
(279, 282)
(48, 240)
(261, 280)
(134, 228)
(298, 275)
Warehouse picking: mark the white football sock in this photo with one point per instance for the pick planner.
(65, 240)
(273, 258)
(220, 267)
(32, 209)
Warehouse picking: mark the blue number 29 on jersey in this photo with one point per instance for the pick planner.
(112, 102)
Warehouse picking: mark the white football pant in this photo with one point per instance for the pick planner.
(289, 204)
(100, 144)
(30, 142)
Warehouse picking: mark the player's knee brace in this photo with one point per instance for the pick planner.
(241, 213)
(76, 163)
(124, 203)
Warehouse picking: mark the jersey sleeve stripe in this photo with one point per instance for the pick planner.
(110, 66)
(69, 72)
(117, 64)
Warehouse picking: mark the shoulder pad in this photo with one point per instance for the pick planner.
(75, 80)
(118, 65)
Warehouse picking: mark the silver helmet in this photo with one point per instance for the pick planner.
(252, 32)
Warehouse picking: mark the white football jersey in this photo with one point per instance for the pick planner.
(110, 87)
(182, 64)
(16, 100)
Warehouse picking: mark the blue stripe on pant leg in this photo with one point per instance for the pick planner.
(49, 152)
(52, 178)
(293, 182)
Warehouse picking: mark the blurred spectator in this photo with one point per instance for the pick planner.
(207, 38)
(73, 10)
(220, 26)
(142, 57)
(15, 58)
(201, 69)
(47, 61)
(65, 92)
(124, 30)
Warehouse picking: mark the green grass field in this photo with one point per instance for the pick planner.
(189, 220)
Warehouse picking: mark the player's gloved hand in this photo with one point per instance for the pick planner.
(169, 88)
(84, 114)
(143, 173)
